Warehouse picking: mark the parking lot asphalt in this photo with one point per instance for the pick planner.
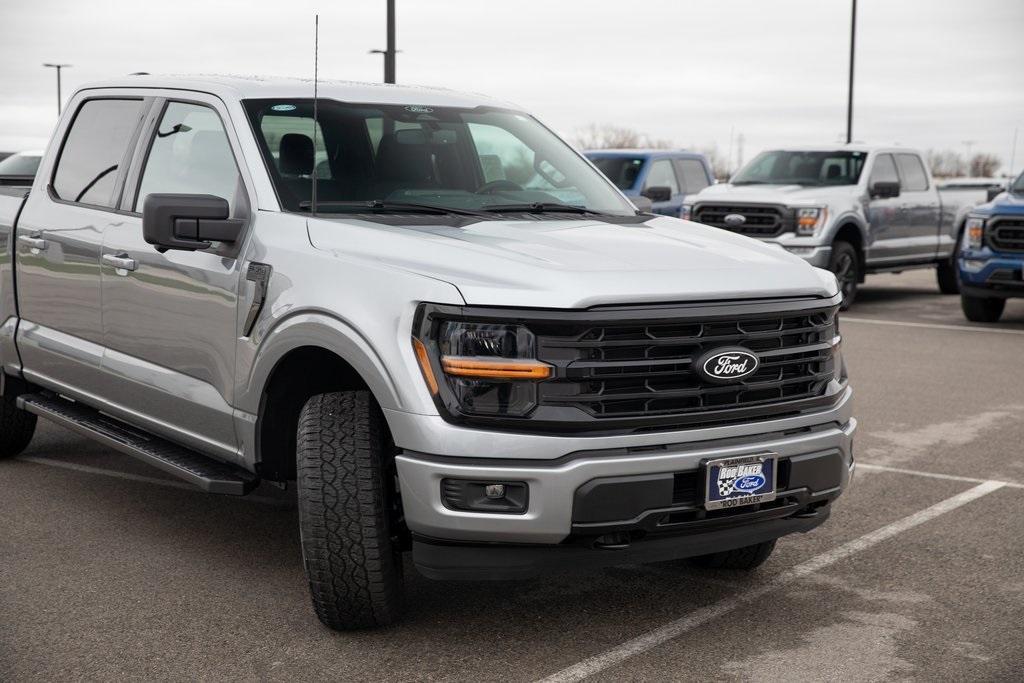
(110, 570)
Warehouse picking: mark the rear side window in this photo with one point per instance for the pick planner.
(190, 155)
(692, 172)
(884, 170)
(912, 174)
(662, 175)
(94, 151)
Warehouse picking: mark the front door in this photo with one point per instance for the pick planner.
(890, 240)
(60, 233)
(169, 319)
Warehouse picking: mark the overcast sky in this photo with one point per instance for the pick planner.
(930, 73)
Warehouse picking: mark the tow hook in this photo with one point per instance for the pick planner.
(615, 541)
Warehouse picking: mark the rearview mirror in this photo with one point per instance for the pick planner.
(187, 221)
(884, 189)
(658, 193)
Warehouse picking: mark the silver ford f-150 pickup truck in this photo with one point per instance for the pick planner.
(455, 336)
(854, 209)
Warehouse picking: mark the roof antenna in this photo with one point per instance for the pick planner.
(316, 64)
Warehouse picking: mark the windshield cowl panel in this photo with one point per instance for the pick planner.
(378, 159)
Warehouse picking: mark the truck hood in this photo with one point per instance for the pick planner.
(1006, 202)
(775, 194)
(578, 263)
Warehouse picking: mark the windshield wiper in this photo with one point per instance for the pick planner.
(541, 207)
(375, 205)
(750, 182)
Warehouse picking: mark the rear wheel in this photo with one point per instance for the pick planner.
(982, 309)
(347, 512)
(845, 264)
(16, 429)
(745, 559)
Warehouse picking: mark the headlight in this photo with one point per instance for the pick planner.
(485, 368)
(810, 219)
(974, 233)
(686, 212)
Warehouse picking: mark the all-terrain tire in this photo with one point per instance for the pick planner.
(845, 264)
(982, 309)
(345, 495)
(747, 558)
(16, 429)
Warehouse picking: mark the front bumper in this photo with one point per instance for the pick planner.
(985, 273)
(552, 515)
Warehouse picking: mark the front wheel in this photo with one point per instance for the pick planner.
(982, 309)
(744, 559)
(346, 512)
(845, 264)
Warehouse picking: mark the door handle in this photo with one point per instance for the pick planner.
(120, 261)
(34, 242)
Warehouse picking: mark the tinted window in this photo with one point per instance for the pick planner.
(884, 170)
(695, 178)
(912, 174)
(190, 155)
(662, 175)
(622, 171)
(94, 151)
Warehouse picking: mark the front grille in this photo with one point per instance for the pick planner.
(759, 220)
(645, 368)
(1006, 234)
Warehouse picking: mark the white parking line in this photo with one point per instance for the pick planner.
(168, 483)
(674, 629)
(929, 326)
(934, 475)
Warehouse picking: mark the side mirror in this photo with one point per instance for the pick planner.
(642, 204)
(658, 193)
(187, 221)
(884, 189)
(994, 192)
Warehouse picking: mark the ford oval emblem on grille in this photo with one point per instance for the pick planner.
(735, 219)
(726, 365)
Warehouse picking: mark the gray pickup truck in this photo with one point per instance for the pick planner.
(460, 341)
(853, 209)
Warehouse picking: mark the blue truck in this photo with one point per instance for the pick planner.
(663, 176)
(991, 261)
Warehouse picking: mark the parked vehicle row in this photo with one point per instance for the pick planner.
(663, 177)
(991, 258)
(434, 317)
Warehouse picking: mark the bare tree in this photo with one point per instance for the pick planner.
(607, 136)
(720, 166)
(946, 163)
(984, 165)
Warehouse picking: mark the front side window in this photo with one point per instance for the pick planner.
(884, 170)
(695, 178)
(479, 159)
(94, 151)
(662, 175)
(807, 168)
(190, 154)
(623, 171)
(912, 174)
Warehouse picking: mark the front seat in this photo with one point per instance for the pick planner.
(401, 166)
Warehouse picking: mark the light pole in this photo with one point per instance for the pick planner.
(58, 67)
(849, 92)
(389, 54)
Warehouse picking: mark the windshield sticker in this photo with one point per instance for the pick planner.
(416, 109)
(283, 107)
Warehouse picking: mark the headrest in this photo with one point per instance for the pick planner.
(399, 161)
(296, 154)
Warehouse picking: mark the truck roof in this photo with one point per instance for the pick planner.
(251, 87)
(841, 147)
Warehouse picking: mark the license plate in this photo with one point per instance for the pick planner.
(745, 480)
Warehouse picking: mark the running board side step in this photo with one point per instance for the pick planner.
(208, 474)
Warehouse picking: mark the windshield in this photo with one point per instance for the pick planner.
(402, 157)
(622, 171)
(20, 164)
(802, 168)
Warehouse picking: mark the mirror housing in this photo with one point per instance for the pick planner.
(884, 189)
(188, 222)
(642, 204)
(658, 193)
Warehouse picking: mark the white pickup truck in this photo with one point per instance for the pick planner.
(853, 209)
(445, 326)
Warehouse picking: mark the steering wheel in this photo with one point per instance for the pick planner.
(498, 186)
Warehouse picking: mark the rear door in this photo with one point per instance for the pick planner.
(169, 319)
(920, 207)
(661, 173)
(60, 233)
